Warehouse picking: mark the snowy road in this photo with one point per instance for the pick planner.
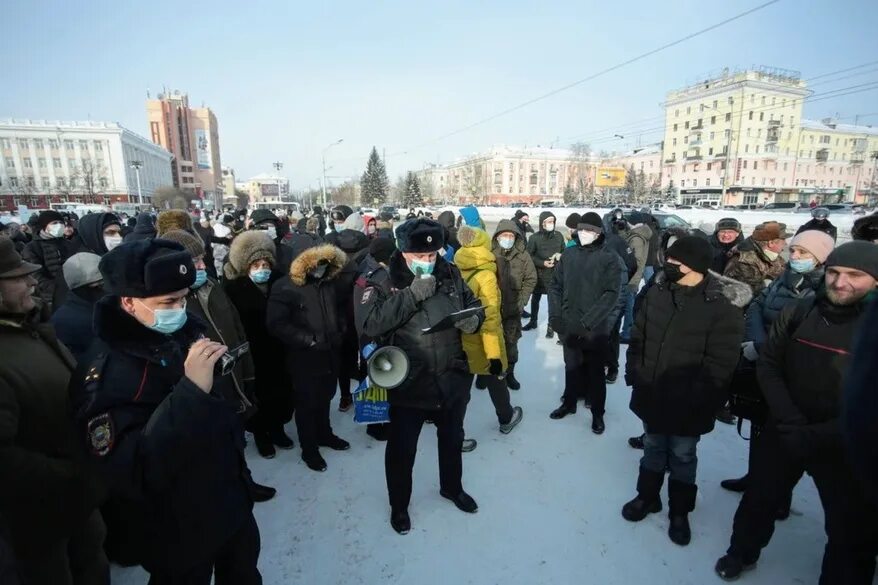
(549, 496)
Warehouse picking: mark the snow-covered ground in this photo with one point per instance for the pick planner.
(549, 494)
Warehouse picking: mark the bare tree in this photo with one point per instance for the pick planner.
(348, 193)
(242, 197)
(474, 182)
(579, 172)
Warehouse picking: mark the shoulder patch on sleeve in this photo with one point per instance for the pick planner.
(101, 434)
(367, 294)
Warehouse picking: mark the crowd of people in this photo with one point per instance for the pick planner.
(138, 351)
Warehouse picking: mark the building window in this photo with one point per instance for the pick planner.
(713, 119)
(61, 181)
(676, 113)
(27, 163)
(68, 144)
(748, 133)
(71, 163)
(13, 181)
(708, 166)
(685, 140)
(759, 133)
(686, 125)
(711, 135)
(102, 182)
(785, 165)
(38, 144)
(722, 166)
(682, 182)
(731, 100)
(745, 164)
(709, 152)
(5, 143)
(746, 148)
(53, 144)
(694, 182)
(41, 162)
(10, 162)
(757, 149)
(727, 133)
(22, 143)
(755, 164)
(761, 116)
(715, 103)
(56, 163)
(763, 100)
(675, 127)
(753, 181)
(674, 142)
(707, 182)
(83, 145)
(98, 146)
(729, 116)
(688, 110)
(45, 183)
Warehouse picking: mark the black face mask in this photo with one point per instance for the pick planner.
(673, 272)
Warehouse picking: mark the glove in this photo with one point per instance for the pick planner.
(496, 367)
(749, 350)
(423, 288)
(468, 325)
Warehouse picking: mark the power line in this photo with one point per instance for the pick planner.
(593, 76)
(843, 70)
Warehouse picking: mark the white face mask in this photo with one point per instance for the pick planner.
(549, 227)
(587, 237)
(56, 230)
(772, 255)
(112, 241)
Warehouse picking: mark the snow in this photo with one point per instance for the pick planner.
(550, 496)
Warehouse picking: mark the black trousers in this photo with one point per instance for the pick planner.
(78, 560)
(349, 365)
(535, 306)
(613, 346)
(499, 393)
(313, 400)
(850, 519)
(755, 444)
(234, 563)
(585, 375)
(402, 446)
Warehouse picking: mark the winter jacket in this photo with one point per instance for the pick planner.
(222, 238)
(824, 226)
(144, 229)
(749, 264)
(638, 238)
(172, 455)
(479, 271)
(388, 313)
(215, 309)
(273, 388)
(654, 241)
(48, 489)
(73, 321)
(90, 233)
(801, 371)
(585, 290)
(523, 228)
(541, 246)
(515, 271)
(303, 315)
(50, 254)
(350, 238)
(206, 235)
(861, 403)
(722, 252)
(683, 351)
(446, 220)
(788, 287)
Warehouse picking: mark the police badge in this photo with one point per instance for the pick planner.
(100, 434)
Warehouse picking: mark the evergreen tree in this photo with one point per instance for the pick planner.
(373, 184)
(412, 196)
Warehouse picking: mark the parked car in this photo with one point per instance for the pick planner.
(390, 211)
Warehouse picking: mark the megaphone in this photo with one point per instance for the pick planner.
(388, 367)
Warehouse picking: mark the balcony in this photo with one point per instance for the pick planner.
(695, 141)
(694, 157)
(857, 159)
(696, 128)
(721, 155)
(670, 161)
(774, 123)
(772, 137)
(822, 155)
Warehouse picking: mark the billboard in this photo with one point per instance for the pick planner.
(613, 177)
(202, 149)
(269, 190)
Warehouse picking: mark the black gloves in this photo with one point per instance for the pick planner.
(496, 367)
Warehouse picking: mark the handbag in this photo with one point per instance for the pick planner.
(746, 400)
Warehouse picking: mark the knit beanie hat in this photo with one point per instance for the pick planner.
(573, 220)
(191, 242)
(818, 243)
(859, 255)
(694, 252)
(591, 221)
(81, 270)
(381, 248)
(47, 217)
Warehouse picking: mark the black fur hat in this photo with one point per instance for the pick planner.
(420, 235)
(147, 268)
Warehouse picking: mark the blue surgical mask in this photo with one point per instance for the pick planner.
(803, 265)
(167, 321)
(200, 279)
(260, 276)
(419, 267)
(506, 243)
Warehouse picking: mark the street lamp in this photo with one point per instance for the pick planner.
(136, 164)
(323, 159)
(277, 167)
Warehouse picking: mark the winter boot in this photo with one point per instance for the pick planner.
(258, 492)
(563, 411)
(463, 501)
(345, 403)
(280, 439)
(648, 500)
(530, 326)
(314, 461)
(335, 443)
(264, 445)
(481, 382)
(735, 485)
(730, 567)
(468, 445)
(400, 521)
(517, 414)
(597, 424)
(612, 375)
(511, 382)
(724, 415)
(681, 501)
(378, 431)
(550, 333)
(636, 442)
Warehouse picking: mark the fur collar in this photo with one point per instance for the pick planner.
(715, 285)
(312, 257)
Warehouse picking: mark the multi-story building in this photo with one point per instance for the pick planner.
(229, 186)
(739, 138)
(508, 175)
(647, 160)
(44, 162)
(267, 187)
(192, 136)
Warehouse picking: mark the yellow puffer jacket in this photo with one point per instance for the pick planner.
(479, 269)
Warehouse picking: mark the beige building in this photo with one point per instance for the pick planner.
(739, 138)
(266, 187)
(192, 136)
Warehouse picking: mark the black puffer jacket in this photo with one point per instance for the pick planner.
(819, 225)
(389, 314)
(585, 290)
(541, 246)
(144, 228)
(789, 287)
(446, 220)
(50, 253)
(73, 320)
(684, 347)
(722, 252)
(172, 455)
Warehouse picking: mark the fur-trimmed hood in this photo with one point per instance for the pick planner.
(312, 257)
(246, 249)
(173, 219)
(738, 293)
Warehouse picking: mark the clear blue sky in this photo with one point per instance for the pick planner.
(287, 78)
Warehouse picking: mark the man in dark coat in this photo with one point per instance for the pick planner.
(265, 220)
(97, 233)
(726, 235)
(349, 234)
(168, 446)
(683, 351)
(583, 307)
(144, 228)
(861, 405)
(417, 291)
(545, 249)
(49, 250)
(819, 222)
(866, 228)
(446, 220)
(303, 315)
(73, 319)
(49, 495)
(521, 219)
(801, 371)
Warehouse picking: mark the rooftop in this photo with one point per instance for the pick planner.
(830, 125)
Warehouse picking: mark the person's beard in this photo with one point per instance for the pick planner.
(841, 299)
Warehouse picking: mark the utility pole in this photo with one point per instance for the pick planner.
(323, 160)
(277, 167)
(136, 164)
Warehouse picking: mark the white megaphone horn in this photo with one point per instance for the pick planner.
(388, 367)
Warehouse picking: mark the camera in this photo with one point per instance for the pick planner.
(226, 363)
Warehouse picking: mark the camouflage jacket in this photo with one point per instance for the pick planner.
(750, 265)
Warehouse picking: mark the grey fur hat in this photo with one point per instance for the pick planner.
(246, 249)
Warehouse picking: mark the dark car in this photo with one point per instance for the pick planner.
(666, 220)
(389, 211)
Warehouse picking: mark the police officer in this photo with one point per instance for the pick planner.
(418, 290)
(169, 446)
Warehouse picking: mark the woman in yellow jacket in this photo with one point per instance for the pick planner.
(486, 350)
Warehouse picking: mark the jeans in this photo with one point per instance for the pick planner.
(628, 321)
(672, 452)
